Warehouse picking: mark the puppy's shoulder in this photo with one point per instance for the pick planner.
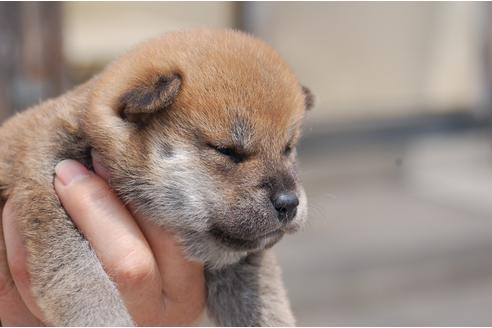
(32, 139)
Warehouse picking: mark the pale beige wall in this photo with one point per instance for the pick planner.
(363, 60)
(367, 60)
(96, 31)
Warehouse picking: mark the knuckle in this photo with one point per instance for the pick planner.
(134, 270)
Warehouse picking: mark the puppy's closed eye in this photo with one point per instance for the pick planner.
(230, 152)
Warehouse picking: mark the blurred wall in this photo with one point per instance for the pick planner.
(364, 61)
(371, 60)
(31, 58)
(98, 32)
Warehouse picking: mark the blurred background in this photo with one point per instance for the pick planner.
(396, 157)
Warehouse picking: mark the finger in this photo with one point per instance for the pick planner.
(183, 281)
(13, 308)
(114, 235)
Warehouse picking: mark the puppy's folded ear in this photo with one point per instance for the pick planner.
(308, 98)
(137, 104)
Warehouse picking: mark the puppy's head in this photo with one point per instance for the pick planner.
(200, 129)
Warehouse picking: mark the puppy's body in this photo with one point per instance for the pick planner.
(197, 130)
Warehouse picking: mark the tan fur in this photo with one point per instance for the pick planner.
(226, 77)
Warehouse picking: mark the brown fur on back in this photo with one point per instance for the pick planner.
(29, 136)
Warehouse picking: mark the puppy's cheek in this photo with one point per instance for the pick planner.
(185, 189)
(195, 206)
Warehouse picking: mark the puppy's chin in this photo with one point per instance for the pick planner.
(218, 248)
(239, 244)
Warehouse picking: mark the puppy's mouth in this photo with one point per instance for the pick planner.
(263, 241)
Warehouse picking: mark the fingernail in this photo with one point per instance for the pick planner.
(69, 171)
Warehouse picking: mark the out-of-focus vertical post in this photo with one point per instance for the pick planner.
(488, 57)
(488, 62)
(253, 17)
(31, 57)
(9, 50)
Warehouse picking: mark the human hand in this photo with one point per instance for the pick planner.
(158, 285)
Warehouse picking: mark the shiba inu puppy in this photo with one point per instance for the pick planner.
(198, 130)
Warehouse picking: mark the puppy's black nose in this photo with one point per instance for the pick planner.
(286, 205)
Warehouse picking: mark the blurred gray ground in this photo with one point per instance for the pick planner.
(399, 233)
